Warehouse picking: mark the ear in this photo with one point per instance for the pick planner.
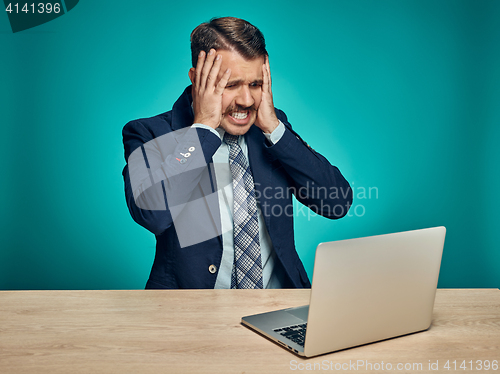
(191, 73)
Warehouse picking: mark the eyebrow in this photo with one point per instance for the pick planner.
(240, 81)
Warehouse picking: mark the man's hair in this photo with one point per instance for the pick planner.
(230, 34)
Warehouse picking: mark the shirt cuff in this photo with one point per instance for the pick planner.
(202, 126)
(276, 135)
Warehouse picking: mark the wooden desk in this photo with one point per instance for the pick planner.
(200, 332)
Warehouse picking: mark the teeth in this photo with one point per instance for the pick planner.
(239, 115)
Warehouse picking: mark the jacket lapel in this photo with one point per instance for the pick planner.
(182, 113)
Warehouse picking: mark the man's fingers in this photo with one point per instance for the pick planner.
(223, 82)
(265, 79)
(214, 72)
(269, 75)
(207, 66)
(199, 65)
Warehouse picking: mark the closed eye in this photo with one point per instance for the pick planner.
(233, 83)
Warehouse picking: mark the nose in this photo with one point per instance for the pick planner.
(244, 98)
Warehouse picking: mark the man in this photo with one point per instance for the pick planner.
(213, 177)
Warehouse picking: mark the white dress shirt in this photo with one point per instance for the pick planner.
(272, 276)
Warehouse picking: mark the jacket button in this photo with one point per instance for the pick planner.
(212, 269)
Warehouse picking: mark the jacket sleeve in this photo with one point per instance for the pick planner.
(314, 181)
(163, 173)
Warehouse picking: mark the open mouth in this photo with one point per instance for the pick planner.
(240, 118)
(239, 115)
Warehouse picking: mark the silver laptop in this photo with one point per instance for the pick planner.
(363, 290)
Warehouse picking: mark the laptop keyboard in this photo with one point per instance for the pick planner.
(296, 333)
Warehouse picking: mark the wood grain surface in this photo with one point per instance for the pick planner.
(199, 331)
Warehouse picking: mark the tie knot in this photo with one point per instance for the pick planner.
(231, 139)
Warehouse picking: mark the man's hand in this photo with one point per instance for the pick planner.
(206, 91)
(266, 117)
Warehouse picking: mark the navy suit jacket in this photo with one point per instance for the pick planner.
(289, 166)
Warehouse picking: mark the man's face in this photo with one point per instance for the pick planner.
(243, 92)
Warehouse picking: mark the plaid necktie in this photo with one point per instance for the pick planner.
(247, 266)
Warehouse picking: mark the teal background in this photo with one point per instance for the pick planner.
(403, 96)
